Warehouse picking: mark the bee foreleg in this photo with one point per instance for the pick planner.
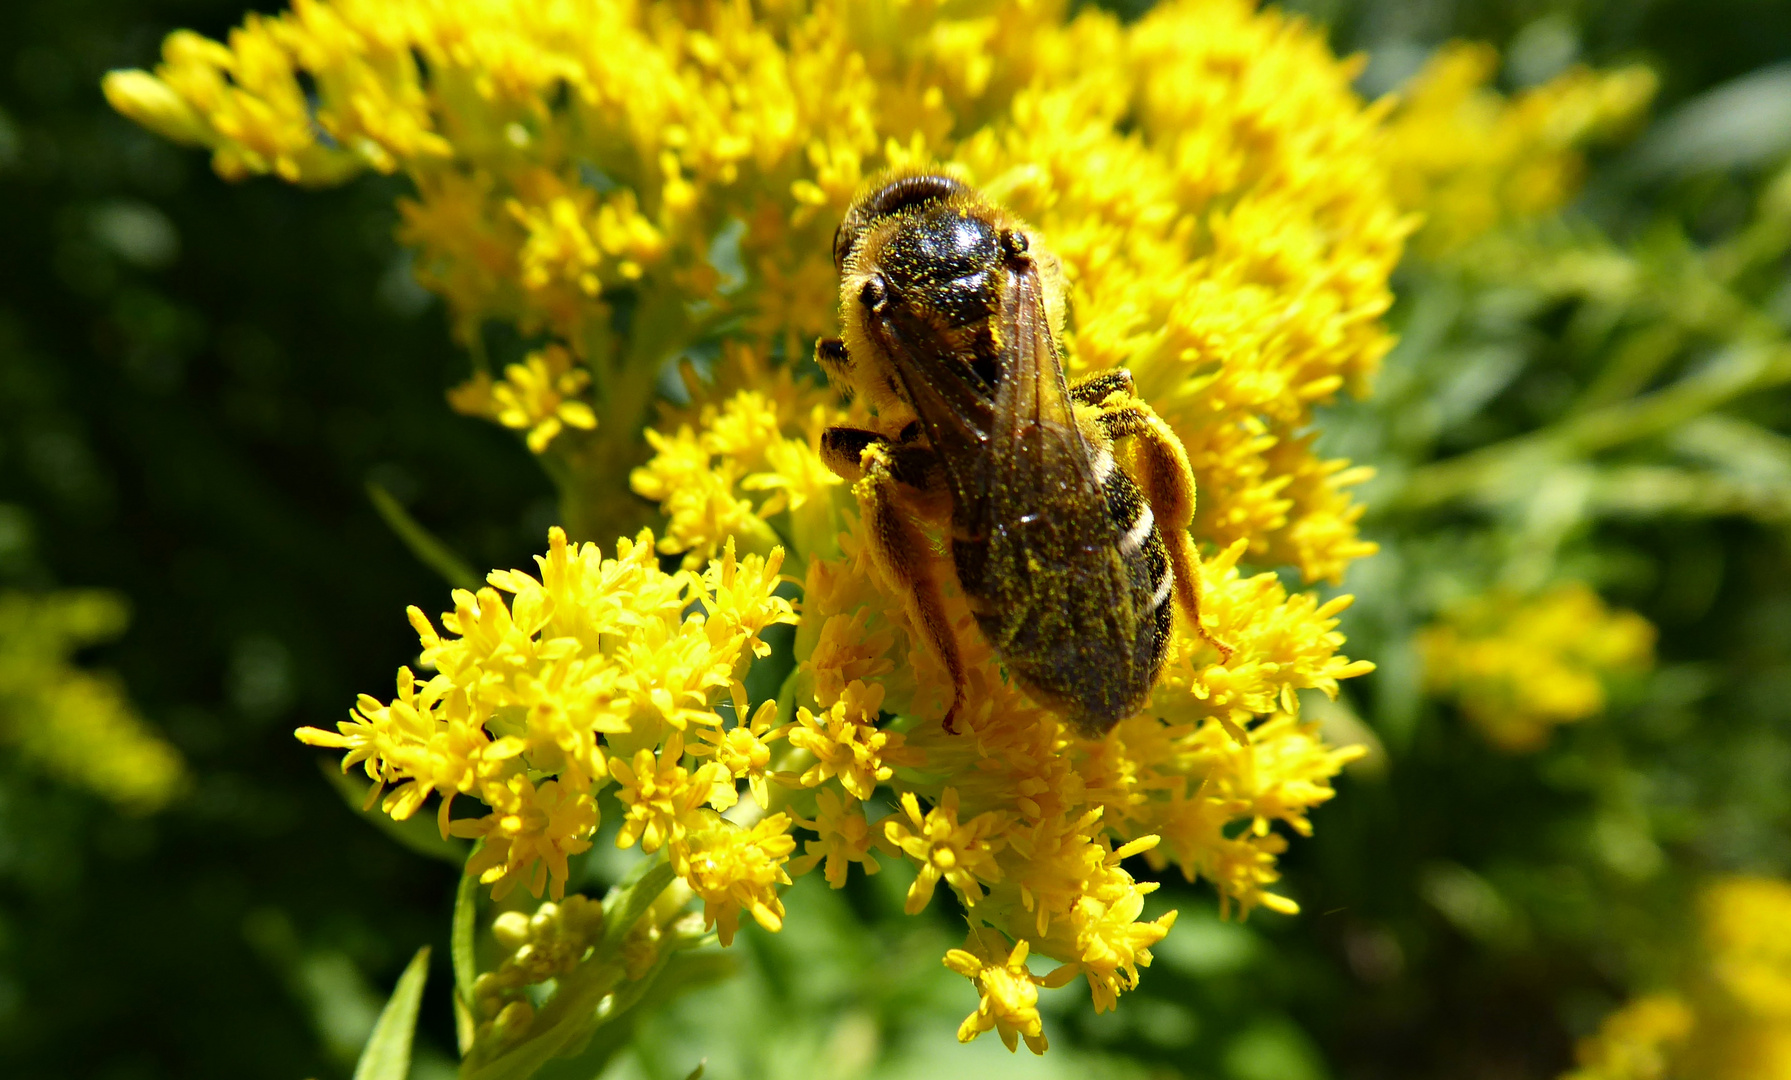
(880, 471)
(1168, 483)
(1101, 386)
(834, 361)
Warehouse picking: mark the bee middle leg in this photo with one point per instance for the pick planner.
(879, 471)
(1168, 483)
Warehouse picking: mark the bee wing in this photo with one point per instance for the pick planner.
(954, 405)
(1040, 474)
(1065, 601)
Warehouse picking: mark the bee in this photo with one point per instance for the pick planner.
(951, 312)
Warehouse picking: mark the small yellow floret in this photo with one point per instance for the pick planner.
(1520, 667)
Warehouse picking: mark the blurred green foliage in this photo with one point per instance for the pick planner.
(198, 382)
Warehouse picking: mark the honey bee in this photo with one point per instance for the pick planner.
(951, 312)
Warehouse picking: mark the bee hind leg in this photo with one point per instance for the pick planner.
(1168, 483)
(879, 471)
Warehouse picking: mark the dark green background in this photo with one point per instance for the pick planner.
(198, 379)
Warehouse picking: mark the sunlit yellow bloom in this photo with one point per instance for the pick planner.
(1518, 667)
(1009, 992)
(743, 749)
(661, 795)
(1471, 160)
(736, 472)
(843, 836)
(961, 853)
(538, 396)
(847, 743)
(1731, 1020)
(734, 869)
(1637, 1042)
(533, 831)
(77, 725)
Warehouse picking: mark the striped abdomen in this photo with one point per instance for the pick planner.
(1083, 621)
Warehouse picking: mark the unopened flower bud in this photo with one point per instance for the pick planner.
(513, 1021)
(511, 929)
(154, 104)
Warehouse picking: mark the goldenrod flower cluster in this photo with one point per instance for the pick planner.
(78, 725)
(598, 672)
(1471, 159)
(1216, 191)
(1518, 667)
(1732, 1020)
(641, 189)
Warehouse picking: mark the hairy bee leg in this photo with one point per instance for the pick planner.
(877, 468)
(1101, 386)
(1168, 484)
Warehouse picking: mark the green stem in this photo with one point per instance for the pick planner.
(1744, 370)
(429, 550)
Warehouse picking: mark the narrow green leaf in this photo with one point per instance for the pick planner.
(428, 549)
(387, 1056)
(419, 834)
(460, 950)
(625, 904)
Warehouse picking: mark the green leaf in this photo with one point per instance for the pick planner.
(419, 834)
(675, 975)
(627, 902)
(460, 950)
(428, 549)
(387, 1056)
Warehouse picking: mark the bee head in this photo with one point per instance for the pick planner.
(929, 244)
(886, 199)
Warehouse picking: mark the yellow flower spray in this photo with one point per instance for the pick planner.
(78, 725)
(646, 193)
(1520, 667)
(1732, 1017)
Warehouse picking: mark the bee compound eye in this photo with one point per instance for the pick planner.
(1013, 243)
(873, 292)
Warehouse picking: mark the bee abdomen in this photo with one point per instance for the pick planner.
(1142, 549)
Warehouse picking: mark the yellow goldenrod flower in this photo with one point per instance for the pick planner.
(961, 853)
(1520, 667)
(1732, 1019)
(1009, 991)
(594, 647)
(733, 870)
(78, 725)
(843, 836)
(537, 396)
(644, 189)
(1471, 160)
(1637, 1042)
(847, 743)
